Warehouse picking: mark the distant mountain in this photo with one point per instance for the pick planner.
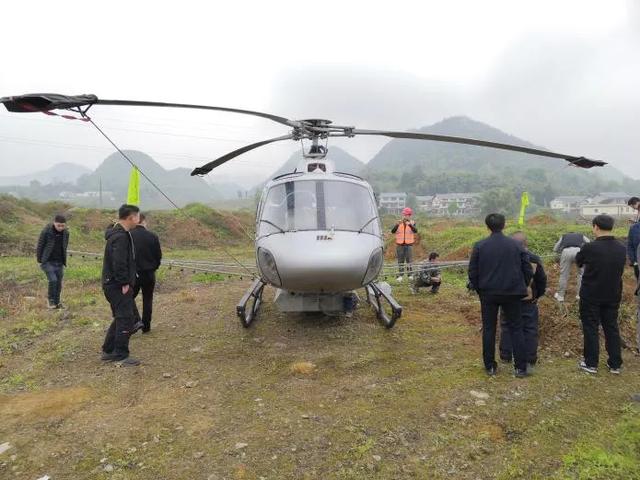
(229, 190)
(439, 156)
(114, 173)
(426, 167)
(343, 162)
(59, 173)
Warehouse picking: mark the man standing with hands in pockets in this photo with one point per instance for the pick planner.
(118, 280)
(600, 295)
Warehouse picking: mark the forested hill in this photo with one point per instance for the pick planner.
(113, 176)
(425, 168)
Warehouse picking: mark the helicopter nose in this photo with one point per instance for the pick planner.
(316, 262)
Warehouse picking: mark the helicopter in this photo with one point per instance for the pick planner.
(318, 231)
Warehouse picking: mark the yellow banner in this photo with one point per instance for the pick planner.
(524, 203)
(133, 194)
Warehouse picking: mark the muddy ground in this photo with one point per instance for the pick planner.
(292, 397)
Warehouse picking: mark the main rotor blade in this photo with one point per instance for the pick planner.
(134, 103)
(204, 169)
(577, 161)
(43, 102)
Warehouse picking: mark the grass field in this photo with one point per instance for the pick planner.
(301, 396)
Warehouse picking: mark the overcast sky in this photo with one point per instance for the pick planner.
(561, 74)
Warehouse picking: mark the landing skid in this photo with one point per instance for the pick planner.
(253, 296)
(376, 295)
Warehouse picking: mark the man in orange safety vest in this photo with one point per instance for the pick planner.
(405, 231)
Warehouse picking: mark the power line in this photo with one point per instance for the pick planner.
(44, 143)
(133, 164)
(152, 132)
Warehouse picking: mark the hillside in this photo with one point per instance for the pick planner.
(197, 226)
(424, 167)
(64, 172)
(177, 183)
(294, 396)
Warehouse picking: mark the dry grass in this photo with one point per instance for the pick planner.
(311, 397)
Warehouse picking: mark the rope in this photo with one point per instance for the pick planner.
(133, 164)
(182, 265)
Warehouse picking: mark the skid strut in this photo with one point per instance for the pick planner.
(375, 298)
(253, 293)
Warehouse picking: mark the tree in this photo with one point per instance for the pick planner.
(412, 201)
(499, 200)
(452, 208)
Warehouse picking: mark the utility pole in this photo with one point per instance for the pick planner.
(100, 190)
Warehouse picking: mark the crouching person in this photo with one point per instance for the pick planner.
(428, 276)
(529, 311)
(118, 280)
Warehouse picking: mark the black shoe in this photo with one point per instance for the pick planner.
(111, 357)
(583, 366)
(615, 371)
(146, 329)
(520, 373)
(491, 371)
(129, 362)
(138, 326)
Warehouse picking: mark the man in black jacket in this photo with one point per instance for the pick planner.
(603, 260)
(499, 270)
(118, 280)
(536, 289)
(148, 258)
(51, 254)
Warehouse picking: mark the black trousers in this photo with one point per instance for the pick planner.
(592, 316)
(529, 329)
(147, 283)
(434, 284)
(512, 310)
(55, 274)
(117, 337)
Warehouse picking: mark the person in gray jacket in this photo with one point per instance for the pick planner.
(568, 247)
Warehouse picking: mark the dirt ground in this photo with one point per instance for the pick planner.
(292, 397)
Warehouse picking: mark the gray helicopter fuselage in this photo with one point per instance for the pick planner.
(318, 232)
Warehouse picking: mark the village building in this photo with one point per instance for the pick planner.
(392, 202)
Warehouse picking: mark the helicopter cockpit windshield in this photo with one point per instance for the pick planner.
(318, 205)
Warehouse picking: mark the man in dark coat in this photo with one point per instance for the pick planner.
(499, 270)
(633, 238)
(603, 260)
(536, 289)
(148, 259)
(51, 254)
(118, 280)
